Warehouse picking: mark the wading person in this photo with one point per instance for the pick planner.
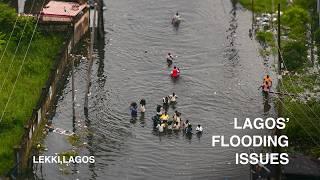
(173, 98)
(142, 105)
(175, 73)
(268, 80)
(133, 110)
(169, 59)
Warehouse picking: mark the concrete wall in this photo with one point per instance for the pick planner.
(46, 102)
(44, 106)
(81, 27)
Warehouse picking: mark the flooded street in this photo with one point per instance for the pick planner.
(220, 75)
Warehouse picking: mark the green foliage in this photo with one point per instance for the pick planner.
(304, 124)
(27, 91)
(317, 37)
(23, 26)
(68, 154)
(294, 55)
(30, 82)
(7, 17)
(315, 152)
(2, 41)
(74, 140)
(296, 18)
(301, 129)
(309, 4)
(262, 6)
(265, 37)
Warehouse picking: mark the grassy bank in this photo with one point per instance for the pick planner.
(303, 109)
(34, 74)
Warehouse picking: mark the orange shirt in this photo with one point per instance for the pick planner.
(268, 80)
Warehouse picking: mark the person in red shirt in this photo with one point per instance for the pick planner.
(175, 72)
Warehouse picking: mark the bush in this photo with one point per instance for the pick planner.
(296, 19)
(265, 38)
(24, 29)
(24, 25)
(7, 17)
(294, 55)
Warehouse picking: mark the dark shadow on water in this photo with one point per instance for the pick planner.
(176, 28)
(142, 120)
(175, 80)
(100, 49)
(189, 136)
(133, 120)
(266, 103)
(231, 53)
(173, 105)
(199, 135)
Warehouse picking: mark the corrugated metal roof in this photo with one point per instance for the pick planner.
(61, 8)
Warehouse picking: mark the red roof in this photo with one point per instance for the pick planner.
(60, 8)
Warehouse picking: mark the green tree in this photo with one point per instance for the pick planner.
(7, 17)
(294, 55)
(309, 4)
(297, 19)
(24, 26)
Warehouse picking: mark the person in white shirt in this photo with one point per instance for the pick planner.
(142, 105)
(160, 127)
(176, 126)
(175, 115)
(199, 128)
(176, 16)
(173, 98)
(169, 59)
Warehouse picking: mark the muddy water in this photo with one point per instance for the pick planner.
(220, 74)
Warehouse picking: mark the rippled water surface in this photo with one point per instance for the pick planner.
(220, 74)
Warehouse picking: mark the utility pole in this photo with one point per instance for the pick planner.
(279, 43)
(73, 95)
(318, 10)
(280, 108)
(312, 29)
(100, 19)
(272, 15)
(252, 7)
(90, 60)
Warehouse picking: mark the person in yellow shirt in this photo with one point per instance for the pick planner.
(164, 116)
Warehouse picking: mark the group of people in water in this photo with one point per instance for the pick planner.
(162, 120)
(134, 108)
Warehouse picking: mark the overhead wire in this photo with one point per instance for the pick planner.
(16, 49)
(21, 66)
